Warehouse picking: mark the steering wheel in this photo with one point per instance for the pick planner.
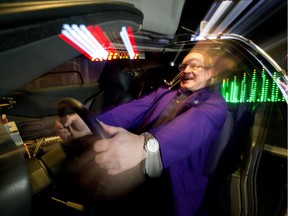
(58, 155)
(85, 114)
(107, 186)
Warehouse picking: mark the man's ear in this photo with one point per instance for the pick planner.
(210, 73)
(210, 78)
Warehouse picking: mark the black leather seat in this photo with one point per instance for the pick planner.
(115, 87)
(211, 204)
(218, 146)
(214, 168)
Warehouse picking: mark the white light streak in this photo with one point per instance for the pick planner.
(75, 41)
(76, 38)
(95, 43)
(232, 16)
(216, 16)
(251, 20)
(125, 38)
(85, 40)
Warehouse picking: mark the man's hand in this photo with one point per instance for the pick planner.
(122, 151)
(71, 126)
(112, 166)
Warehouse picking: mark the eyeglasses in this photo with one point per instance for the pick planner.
(193, 67)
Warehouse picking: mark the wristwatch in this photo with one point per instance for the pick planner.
(153, 163)
(151, 145)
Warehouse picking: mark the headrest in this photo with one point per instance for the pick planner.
(114, 76)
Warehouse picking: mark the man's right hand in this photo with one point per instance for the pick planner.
(71, 126)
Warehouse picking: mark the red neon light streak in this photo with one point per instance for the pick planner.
(101, 38)
(71, 43)
(132, 39)
(96, 34)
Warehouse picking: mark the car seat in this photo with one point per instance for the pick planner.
(210, 202)
(214, 161)
(115, 87)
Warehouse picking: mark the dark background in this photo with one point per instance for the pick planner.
(266, 24)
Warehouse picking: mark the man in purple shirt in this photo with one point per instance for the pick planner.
(168, 130)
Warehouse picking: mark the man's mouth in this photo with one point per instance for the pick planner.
(186, 78)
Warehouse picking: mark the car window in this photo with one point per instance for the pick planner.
(76, 71)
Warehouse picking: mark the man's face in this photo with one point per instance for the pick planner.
(195, 72)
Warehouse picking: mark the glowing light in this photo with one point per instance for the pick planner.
(132, 41)
(216, 16)
(72, 41)
(259, 89)
(75, 37)
(83, 39)
(234, 13)
(97, 32)
(127, 42)
(92, 42)
(250, 20)
(100, 52)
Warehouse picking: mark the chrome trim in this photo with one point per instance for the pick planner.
(281, 152)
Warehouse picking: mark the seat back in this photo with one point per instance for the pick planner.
(217, 147)
(115, 87)
(211, 201)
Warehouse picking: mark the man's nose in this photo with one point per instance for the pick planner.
(186, 74)
(187, 71)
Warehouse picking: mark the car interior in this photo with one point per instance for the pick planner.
(51, 78)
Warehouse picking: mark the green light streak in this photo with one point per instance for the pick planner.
(260, 88)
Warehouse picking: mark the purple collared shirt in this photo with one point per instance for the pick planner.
(184, 141)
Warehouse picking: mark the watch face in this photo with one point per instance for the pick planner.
(152, 145)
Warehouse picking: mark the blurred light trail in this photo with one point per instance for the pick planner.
(235, 12)
(216, 16)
